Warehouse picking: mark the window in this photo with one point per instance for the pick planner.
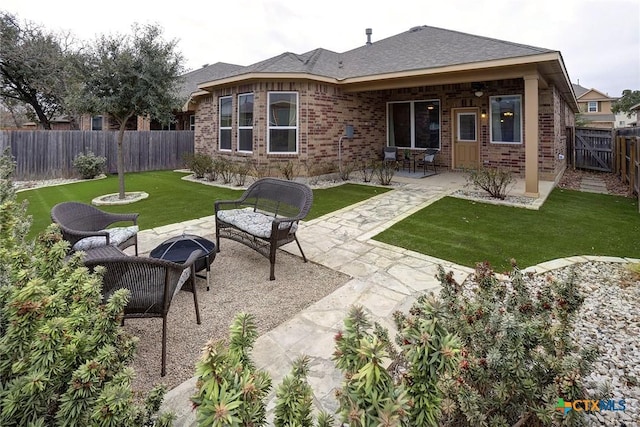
(96, 123)
(592, 107)
(192, 122)
(245, 122)
(467, 127)
(283, 122)
(414, 124)
(506, 119)
(225, 123)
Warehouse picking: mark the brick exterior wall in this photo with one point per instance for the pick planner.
(324, 111)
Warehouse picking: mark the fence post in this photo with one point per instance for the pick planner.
(616, 156)
(632, 165)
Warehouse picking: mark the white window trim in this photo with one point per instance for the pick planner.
(192, 122)
(220, 127)
(595, 105)
(491, 121)
(475, 116)
(269, 127)
(412, 119)
(244, 127)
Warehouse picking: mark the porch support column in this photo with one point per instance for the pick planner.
(531, 135)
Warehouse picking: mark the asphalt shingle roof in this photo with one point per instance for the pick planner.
(419, 48)
(429, 47)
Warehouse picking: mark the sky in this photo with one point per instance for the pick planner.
(599, 39)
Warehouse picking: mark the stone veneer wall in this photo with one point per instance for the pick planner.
(325, 109)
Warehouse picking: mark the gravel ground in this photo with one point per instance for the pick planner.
(571, 179)
(610, 319)
(239, 282)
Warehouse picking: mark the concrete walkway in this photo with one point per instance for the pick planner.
(384, 279)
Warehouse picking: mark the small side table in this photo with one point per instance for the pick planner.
(178, 249)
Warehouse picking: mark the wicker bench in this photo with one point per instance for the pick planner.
(265, 217)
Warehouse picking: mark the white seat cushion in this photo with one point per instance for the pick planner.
(117, 235)
(255, 223)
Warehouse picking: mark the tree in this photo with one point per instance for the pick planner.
(129, 76)
(36, 67)
(629, 99)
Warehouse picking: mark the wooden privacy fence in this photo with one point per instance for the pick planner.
(627, 161)
(46, 154)
(593, 149)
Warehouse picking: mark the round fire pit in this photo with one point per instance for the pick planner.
(177, 249)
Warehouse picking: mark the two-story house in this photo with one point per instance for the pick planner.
(595, 107)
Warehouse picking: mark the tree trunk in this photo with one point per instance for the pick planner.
(121, 160)
(42, 117)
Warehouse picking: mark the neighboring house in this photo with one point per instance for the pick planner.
(57, 123)
(480, 101)
(628, 119)
(104, 122)
(595, 107)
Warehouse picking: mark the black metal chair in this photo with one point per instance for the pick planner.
(80, 221)
(152, 284)
(389, 154)
(429, 158)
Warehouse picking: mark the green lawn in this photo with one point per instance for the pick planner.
(171, 199)
(569, 223)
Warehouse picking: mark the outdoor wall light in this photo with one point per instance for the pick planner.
(483, 114)
(478, 89)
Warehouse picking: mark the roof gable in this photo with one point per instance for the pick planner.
(584, 94)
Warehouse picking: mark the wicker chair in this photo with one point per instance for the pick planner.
(85, 226)
(265, 217)
(152, 283)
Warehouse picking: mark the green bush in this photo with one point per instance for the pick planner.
(200, 164)
(230, 389)
(494, 181)
(518, 356)
(63, 354)
(89, 165)
(487, 352)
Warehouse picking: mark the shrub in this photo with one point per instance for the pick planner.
(294, 397)
(346, 170)
(518, 356)
(407, 392)
(492, 180)
(261, 170)
(384, 171)
(230, 390)
(63, 354)
(89, 165)
(367, 169)
(241, 172)
(224, 169)
(288, 170)
(200, 164)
